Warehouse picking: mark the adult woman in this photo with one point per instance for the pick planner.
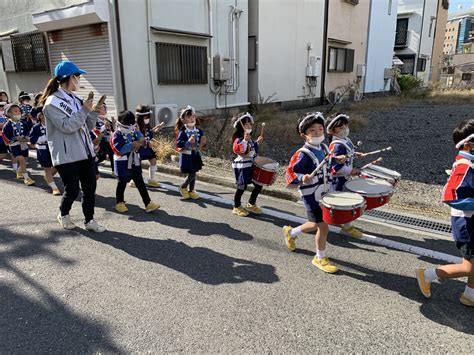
(68, 122)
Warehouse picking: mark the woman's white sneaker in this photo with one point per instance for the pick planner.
(65, 221)
(94, 226)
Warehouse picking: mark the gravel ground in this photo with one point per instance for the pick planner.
(420, 135)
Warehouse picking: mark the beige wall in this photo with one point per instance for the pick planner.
(347, 23)
(437, 56)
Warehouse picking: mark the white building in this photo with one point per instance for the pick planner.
(381, 36)
(415, 33)
(286, 40)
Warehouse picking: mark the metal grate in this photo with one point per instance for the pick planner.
(29, 52)
(181, 64)
(410, 222)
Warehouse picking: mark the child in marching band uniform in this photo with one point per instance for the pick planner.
(3, 120)
(16, 136)
(302, 164)
(458, 193)
(190, 141)
(125, 143)
(143, 114)
(103, 131)
(342, 160)
(39, 138)
(246, 150)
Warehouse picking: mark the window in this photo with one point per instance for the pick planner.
(466, 76)
(408, 66)
(421, 64)
(181, 64)
(29, 52)
(401, 35)
(341, 60)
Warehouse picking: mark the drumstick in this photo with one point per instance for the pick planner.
(263, 126)
(90, 96)
(377, 151)
(376, 161)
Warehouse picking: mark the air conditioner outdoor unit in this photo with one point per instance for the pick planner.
(167, 113)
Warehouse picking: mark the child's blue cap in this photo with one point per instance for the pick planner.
(67, 68)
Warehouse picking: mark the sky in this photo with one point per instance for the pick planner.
(466, 5)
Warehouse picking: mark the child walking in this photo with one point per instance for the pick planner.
(246, 150)
(16, 136)
(459, 195)
(303, 162)
(39, 139)
(125, 143)
(342, 161)
(143, 114)
(190, 141)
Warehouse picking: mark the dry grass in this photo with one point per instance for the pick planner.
(165, 149)
(438, 96)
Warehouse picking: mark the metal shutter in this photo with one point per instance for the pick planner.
(88, 47)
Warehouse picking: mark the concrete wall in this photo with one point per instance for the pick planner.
(382, 26)
(184, 15)
(347, 23)
(451, 37)
(16, 14)
(282, 47)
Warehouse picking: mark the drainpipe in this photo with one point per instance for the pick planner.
(149, 42)
(325, 44)
(120, 53)
(211, 47)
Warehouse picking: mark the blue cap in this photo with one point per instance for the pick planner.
(67, 68)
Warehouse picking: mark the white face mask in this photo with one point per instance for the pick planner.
(147, 121)
(316, 140)
(76, 83)
(248, 130)
(16, 118)
(125, 129)
(344, 133)
(189, 126)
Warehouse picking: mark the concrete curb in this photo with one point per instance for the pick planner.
(222, 181)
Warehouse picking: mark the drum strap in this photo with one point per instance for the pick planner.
(315, 160)
(350, 151)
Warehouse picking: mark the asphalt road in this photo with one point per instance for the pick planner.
(192, 277)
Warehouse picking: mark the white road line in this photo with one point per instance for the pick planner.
(298, 220)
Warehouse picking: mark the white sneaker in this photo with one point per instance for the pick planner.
(65, 221)
(94, 226)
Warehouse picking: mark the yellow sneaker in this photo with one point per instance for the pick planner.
(121, 207)
(184, 192)
(253, 208)
(152, 206)
(324, 264)
(132, 184)
(351, 232)
(19, 176)
(56, 192)
(240, 211)
(194, 195)
(290, 242)
(466, 301)
(153, 183)
(422, 284)
(29, 182)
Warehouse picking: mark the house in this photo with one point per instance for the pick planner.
(381, 35)
(346, 49)
(416, 36)
(285, 42)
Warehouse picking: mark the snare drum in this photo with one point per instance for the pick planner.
(379, 172)
(376, 192)
(342, 207)
(264, 171)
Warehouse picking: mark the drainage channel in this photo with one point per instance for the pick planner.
(409, 222)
